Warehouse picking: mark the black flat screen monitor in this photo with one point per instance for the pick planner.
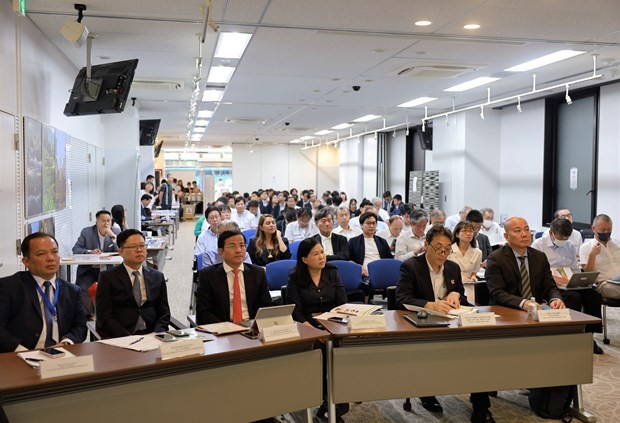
(106, 92)
(148, 131)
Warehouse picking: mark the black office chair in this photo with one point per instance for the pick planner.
(607, 302)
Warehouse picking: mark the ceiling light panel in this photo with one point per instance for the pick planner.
(220, 74)
(212, 95)
(342, 126)
(323, 132)
(472, 84)
(231, 45)
(205, 114)
(545, 60)
(418, 101)
(366, 118)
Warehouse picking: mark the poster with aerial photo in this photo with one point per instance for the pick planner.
(33, 166)
(46, 225)
(61, 170)
(49, 168)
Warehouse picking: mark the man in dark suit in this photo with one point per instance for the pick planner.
(131, 298)
(482, 241)
(232, 291)
(145, 212)
(516, 272)
(37, 309)
(335, 246)
(357, 245)
(96, 239)
(432, 281)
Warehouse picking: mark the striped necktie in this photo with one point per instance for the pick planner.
(526, 288)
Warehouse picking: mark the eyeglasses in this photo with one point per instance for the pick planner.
(135, 247)
(443, 251)
(235, 246)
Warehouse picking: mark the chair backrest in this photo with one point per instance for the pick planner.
(294, 246)
(538, 235)
(384, 272)
(198, 258)
(350, 274)
(249, 234)
(277, 273)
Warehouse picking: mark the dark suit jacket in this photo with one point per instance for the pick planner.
(504, 277)
(415, 286)
(482, 241)
(357, 248)
(264, 259)
(21, 321)
(89, 240)
(145, 213)
(213, 298)
(340, 246)
(117, 311)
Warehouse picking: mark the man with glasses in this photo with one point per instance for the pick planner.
(430, 280)
(368, 247)
(207, 240)
(335, 246)
(411, 244)
(131, 298)
(232, 291)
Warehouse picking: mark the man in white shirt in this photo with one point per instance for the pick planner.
(366, 206)
(207, 240)
(395, 228)
(451, 221)
(241, 216)
(343, 216)
(602, 254)
(383, 214)
(437, 217)
(301, 229)
(335, 246)
(575, 237)
(491, 229)
(412, 244)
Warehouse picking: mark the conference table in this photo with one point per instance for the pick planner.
(402, 360)
(103, 259)
(236, 380)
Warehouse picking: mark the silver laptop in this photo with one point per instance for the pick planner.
(582, 280)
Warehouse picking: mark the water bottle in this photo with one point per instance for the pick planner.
(532, 309)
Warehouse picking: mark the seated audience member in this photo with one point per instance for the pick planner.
(434, 282)
(243, 217)
(289, 216)
(410, 244)
(353, 210)
(315, 287)
(386, 203)
(466, 255)
(602, 254)
(491, 229)
(96, 239)
(207, 240)
(275, 205)
(368, 247)
(516, 273)
(316, 206)
(366, 206)
(381, 212)
(304, 201)
(334, 246)
(290, 205)
(575, 237)
(38, 309)
(268, 245)
(145, 211)
(211, 257)
(405, 213)
(119, 220)
(436, 217)
(224, 212)
(264, 203)
(302, 228)
(343, 195)
(232, 291)
(481, 240)
(254, 210)
(395, 227)
(397, 201)
(343, 216)
(451, 221)
(562, 254)
(149, 189)
(131, 297)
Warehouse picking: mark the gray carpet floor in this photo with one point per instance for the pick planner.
(509, 406)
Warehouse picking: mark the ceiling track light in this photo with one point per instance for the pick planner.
(482, 112)
(567, 97)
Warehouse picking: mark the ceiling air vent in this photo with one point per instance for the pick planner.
(243, 121)
(435, 71)
(157, 85)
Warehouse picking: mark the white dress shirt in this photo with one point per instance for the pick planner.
(495, 234)
(245, 221)
(230, 275)
(41, 341)
(207, 241)
(564, 256)
(349, 233)
(294, 232)
(387, 235)
(326, 241)
(408, 245)
(452, 221)
(439, 286)
(608, 260)
(141, 278)
(469, 262)
(575, 238)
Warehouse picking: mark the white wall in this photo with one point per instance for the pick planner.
(369, 167)
(396, 162)
(147, 155)
(350, 170)
(608, 199)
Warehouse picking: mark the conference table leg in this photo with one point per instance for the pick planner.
(578, 410)
(330, 381)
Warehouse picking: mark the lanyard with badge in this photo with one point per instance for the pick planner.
(51, 307)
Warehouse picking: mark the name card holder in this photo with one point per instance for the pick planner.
(554, 315)
(467, 320)
(182, 348)
(368, 322)
(66, 366)
(279, 332)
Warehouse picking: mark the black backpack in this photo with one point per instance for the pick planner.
(553, 402)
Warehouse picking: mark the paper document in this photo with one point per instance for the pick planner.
(355, 309)
(562, 272)
(139, 343)
(33, 358)
(327, 315)
(222, 328)
(462, 310)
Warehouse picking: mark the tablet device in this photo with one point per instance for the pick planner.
(428, 322)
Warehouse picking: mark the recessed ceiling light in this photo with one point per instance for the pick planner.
(342, 126)
(423, 23)
(212, 95)
(366, 118)
(199, 129)
(220, 74)
(202, 122)
(418, 101)
(472, 84)
(323, 132)
(205, 114)
(231, 45)
(295, 141)
(306, 138)
(471, 26)
(545, 60)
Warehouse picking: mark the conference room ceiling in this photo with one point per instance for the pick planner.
(306, 55)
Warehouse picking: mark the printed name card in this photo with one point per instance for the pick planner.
(66, 366)
(477, 319)
(554, 315)
(278, 332)
(368, 322)
(182, 348)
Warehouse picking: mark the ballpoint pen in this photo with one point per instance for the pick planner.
(35, 360)
(137, 340)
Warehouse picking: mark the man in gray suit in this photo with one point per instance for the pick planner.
(96, 239)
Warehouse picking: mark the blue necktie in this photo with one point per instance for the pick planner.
(49, 318)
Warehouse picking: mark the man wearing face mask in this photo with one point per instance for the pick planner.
(562, 253)
(602, 254)
(491, 229)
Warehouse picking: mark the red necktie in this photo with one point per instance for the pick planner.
(237, 314)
